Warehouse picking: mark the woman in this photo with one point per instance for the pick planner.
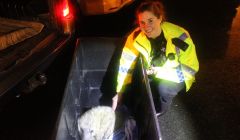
(168, 52)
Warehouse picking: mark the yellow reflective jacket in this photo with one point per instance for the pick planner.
(137, 43)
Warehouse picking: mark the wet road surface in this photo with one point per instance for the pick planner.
(211, 109)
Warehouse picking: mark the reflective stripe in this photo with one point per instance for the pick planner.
(125, 70)
(188, 69)
(169, 74)
(183, 36)
(177, 50)
(143, 51)
(180, 74)
(128, 56)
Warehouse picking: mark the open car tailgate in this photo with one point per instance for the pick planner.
(29, 57)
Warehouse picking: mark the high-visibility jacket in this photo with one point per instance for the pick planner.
(185, 63)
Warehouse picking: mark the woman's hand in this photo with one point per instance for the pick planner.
(115, 102)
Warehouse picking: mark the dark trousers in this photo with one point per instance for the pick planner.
(163, 93)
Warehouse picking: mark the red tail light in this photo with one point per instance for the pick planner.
(63, 10)
(66, 10)
(64, 15)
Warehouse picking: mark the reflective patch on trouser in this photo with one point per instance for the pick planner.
(163, 93)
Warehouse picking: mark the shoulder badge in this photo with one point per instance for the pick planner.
(180, 44)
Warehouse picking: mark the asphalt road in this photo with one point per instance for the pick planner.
(211, 109)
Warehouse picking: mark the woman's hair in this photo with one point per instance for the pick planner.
(155, 7)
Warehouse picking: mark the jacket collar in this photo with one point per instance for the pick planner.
(143, 41)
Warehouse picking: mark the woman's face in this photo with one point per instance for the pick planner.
(149, 24)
